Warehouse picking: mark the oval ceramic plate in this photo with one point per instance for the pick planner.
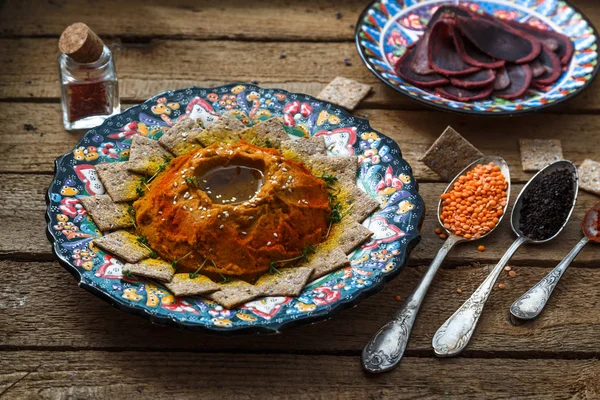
(382, 173)
(387, 27)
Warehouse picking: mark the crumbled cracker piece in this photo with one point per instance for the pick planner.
(537, 153)
(344, 92)
(182, 138)
(234, 293)
(589, 176)
(153, 268)
(119, 182)
(105, 213)
(450, 154)
(224, 130)
(288, 282)
(183, 285)
(123, 245)
(146, 156)
(326, 261)
(269, 133)
(353, 235)
(303, 147)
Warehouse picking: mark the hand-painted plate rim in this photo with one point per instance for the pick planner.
(267, 328)
(443, 106)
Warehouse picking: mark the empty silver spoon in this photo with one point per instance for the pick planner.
(385, 349)
(531, 304)
(454, 335)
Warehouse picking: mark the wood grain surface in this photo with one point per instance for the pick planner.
(59, 341)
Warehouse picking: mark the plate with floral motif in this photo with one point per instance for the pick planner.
(387, 27)
(382, 173)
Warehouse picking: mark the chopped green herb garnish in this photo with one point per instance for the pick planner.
(196, 272)
(128, 274)
(192, 181)
(268, 144)
(273, 268)
(142, 239)
(140, 191)
(174, 262)
(329, 179)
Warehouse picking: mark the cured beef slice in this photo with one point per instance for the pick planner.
(520, 79)
(420, 62)
(461, 94)
(475, 80)
(499, 40)
(537, 68)
(502, 80)
(472, 55)
(564, 45)
(552, 67)
(404, 69)
(443, 56)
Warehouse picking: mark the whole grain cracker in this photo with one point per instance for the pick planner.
(269, 133)
(146, 156)
(153, 268)
(107, 214)
(288, 282)
(450, 154)
(182, 138)
(303, 147)
(234, 293)
(224, 130)
(344, 92)
(353, 235)
(589, 176)
(537, 153)
(119, 182)
(326, 261)
(183, 285)
(343, 168)
(360, 204)
(123, 245)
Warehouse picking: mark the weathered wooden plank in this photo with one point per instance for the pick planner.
(34, 150)
(218, 376)
(159, 65)
(22, 208)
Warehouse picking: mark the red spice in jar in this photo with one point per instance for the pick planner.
(87, 99)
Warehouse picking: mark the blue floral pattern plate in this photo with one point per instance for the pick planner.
(387, 27)
(382, 173)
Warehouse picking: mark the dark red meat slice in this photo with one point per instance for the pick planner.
(420, 62)
(502, 80)
(461, 94)
(520, 79)
(443, 56)
(472, 55)
(564, 45)
(448, 12)
(499, 40)
(552, 67)
(405, 70)
(537, 68)
(475, 80)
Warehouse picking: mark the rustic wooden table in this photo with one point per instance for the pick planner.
(59, 341)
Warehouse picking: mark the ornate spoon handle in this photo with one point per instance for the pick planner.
(385, 349)
(454, 335)
(531, 304)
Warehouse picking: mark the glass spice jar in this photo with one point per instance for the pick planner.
(88, 79)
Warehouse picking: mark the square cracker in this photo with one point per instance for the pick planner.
(344, 168)
(344, 92)
(146, 156)
(183, 285)
(450, 154)
(537, 153)
(353, 235)
(362, 204)
(153, 268)
(224, 130)
(234, 293)
(309, 146)
(123, 245)
(589, 176)
(267, 132)
(182, 138)
(119, 182)
(289, 282)
(326, 261)
(107, 214)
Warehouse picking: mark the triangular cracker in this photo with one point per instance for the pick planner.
(183, 285)
(119, 182)
(288, 282)
(146, 156)
(107, 215)
(353, 235)
(182, 138)
(123, 245)
(153, 268)
(344, 92)
(303, 147)
(326, 261)
(234, 293)
(589, 176)
(269, 133)
(344, 168)
(224, 130)
(362, 205)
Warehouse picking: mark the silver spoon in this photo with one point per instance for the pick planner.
(531, 304)
(385, 349)
(454, 335)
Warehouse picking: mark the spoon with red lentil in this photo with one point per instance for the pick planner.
(531, 304)
(471, 207)
(540, 213)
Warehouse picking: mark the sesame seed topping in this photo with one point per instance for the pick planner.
(275, 234)
(268, 243)
(222, 226)
(243, 233)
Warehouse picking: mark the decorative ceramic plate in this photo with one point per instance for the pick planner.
(383, 174)
(387, 27)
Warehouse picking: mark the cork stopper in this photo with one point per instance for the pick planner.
(80, 43)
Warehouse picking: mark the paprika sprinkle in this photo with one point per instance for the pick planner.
(476, 203)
